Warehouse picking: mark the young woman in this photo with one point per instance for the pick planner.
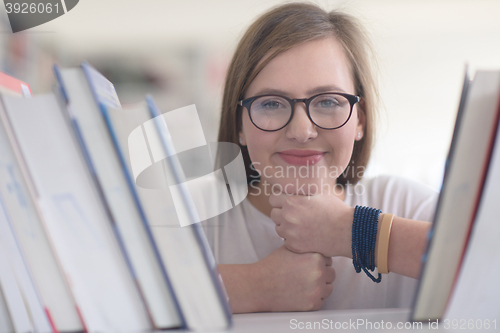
(299, 99)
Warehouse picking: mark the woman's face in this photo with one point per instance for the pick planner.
(302, 158)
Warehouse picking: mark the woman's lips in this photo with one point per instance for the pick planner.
(301, 157)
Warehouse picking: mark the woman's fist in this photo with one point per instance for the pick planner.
(317, 223)
(295, 282)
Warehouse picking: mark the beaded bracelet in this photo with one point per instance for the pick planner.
(364, 234)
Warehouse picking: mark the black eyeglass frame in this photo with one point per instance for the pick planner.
(247, 103)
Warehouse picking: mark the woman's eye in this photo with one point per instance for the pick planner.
(271, 105)
(328, 103)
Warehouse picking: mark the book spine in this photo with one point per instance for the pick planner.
(195, 227)
(79, 138)
(142, 214)
(130, 183)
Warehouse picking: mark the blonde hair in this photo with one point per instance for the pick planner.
(279, 30)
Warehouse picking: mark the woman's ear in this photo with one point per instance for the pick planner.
(242, 140)
(360, 127)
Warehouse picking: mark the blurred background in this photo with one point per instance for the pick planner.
(179, 50)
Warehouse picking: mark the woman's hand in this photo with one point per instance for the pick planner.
(295, 282)
(323, 224)
(318, 223)
(282, 281)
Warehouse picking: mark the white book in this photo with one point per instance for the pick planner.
(10, 289)
(5, 322)
(477, 292)
(76, 219)
(193, 276)
(463, 182)
(26, 224)
(124, 210)
(23, 277)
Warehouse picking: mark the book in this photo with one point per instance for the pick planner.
(15, 259)
(12, 86)
(8, 238)
(459, 199)
(75, 217)
(127, 216)
(477, 291)
(234, 178)
(10, 290)
(25, 220)
(5, 322)
(190, 263)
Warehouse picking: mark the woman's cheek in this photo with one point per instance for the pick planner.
(258, 156)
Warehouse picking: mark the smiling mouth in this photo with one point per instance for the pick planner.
(301, 157)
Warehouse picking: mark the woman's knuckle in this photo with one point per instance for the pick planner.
(316, 257)
(290, 200)
(280, 231)
(274, 213)
(287, 215)
(318, 274)
(318, 291)
(334, 275)
(310, 306)
(295, 247)
(329, 290)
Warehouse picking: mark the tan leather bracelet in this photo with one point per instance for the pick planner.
(383, 243)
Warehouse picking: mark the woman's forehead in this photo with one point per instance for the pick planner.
(306, 68)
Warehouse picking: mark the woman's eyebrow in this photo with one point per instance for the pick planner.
(322, 89)
(314, 91)
(270, 91)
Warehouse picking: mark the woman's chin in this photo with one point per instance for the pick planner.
(299, 186)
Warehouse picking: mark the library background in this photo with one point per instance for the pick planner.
(178, 51)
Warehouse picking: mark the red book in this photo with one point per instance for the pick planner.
(11, 85)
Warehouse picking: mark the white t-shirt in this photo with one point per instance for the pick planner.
(245, 235)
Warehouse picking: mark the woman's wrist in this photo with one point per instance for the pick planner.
(345, 250)
(258, 285)
(243, 287)
(379, 225)
(342, 238)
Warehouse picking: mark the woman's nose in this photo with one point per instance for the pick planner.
(300, 127)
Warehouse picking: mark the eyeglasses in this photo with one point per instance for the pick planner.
(328, 111)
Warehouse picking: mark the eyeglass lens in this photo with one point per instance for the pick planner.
(274, 112)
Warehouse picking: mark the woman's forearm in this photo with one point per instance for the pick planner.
(282, 281)
(330, 231)
(240, 282)
(407, 244)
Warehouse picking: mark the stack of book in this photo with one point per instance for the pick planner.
(82, 247)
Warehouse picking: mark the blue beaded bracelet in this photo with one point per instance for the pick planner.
(364, 234)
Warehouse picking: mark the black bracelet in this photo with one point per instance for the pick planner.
(364, 235)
